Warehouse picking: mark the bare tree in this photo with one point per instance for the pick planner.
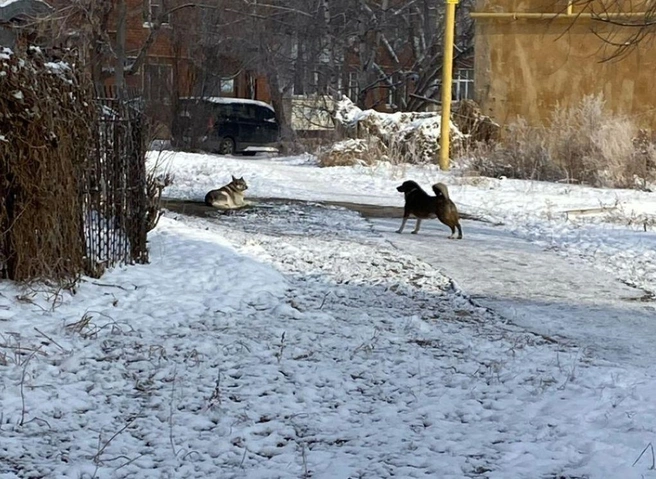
(390, 47)
(621, 25)
(88, 24)
(263, 36)
(376, 51)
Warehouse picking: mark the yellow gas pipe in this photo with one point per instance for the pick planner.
(447, 78)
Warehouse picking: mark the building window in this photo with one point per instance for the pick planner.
(157, 11)
(353, 89)
(463, 84)
(396, 91)
(251, 86)
(316, 83)
(158, 82)
(227, 86)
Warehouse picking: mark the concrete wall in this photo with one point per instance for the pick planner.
(525, 67)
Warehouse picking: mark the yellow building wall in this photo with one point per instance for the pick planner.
(525, 67)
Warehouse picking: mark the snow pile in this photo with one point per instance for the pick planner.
(410, 137)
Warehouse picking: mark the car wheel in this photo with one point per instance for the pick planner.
(226, 146)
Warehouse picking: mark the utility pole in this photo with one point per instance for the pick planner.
(447, 78)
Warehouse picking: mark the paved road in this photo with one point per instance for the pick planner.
(538, 290)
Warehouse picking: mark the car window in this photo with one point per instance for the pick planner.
(225, 111)
(265, 114)
(201, 111)
(249, 112)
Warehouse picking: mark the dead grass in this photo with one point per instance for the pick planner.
(583, 144)
(353, 152)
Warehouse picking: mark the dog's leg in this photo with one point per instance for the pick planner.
(400, 230)
(416, 230)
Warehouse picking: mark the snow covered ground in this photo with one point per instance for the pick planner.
(297, 341)
(613, 240)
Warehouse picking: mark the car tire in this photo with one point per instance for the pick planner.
(226, 146)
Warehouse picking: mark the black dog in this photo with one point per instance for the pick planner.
(423, 206)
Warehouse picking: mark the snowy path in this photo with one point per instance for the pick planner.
(545, 291)
(441, 390)
(538, 289)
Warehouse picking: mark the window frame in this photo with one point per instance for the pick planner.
(353, 87)
(151, 18)
(462, 85)
(163, 96)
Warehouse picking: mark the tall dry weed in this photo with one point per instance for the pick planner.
(353, 152)
(585, 143)
(524, 153)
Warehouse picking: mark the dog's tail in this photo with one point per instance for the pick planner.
(440, 189)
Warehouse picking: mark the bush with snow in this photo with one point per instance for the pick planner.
(406, 137)
(46, 113)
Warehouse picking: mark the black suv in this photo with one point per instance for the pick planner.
(226, 125)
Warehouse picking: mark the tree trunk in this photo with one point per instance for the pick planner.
(283, 117)
(119, 76)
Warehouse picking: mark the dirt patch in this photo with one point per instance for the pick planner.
(198, 208)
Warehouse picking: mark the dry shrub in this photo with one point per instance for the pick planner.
(353, 152)
(643, 165)
(582, 144)
(46, 115)
(408, 137)
(471, 121)
(418, 139)
(156, 180)
(522, 154)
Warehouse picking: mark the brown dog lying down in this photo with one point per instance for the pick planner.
(421, 205)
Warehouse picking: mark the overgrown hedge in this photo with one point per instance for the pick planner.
(46, 119)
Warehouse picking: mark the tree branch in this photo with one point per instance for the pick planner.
(155, 28)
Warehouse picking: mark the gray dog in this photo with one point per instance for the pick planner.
(228, 197)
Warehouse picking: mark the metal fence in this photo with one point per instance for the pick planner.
(113, 187)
